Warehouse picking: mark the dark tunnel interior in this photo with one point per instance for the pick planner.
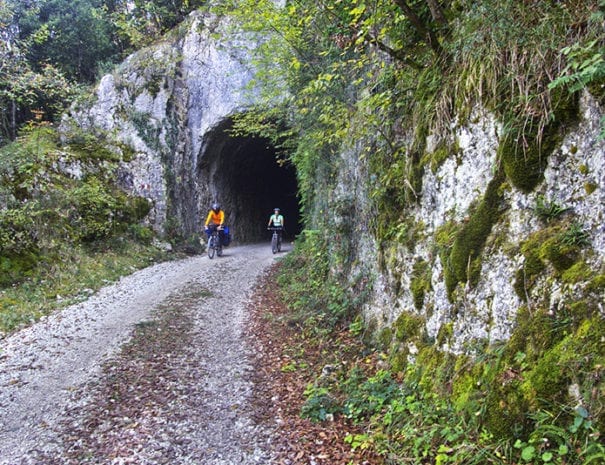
(245, 177)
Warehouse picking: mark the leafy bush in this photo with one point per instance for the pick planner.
(318, 299)
(367, 397)
(45, 210)
(319, 403)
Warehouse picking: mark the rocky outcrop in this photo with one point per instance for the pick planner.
(484, 310)
(162, 105)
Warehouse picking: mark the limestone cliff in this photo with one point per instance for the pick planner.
(166, 104)
(526, 260)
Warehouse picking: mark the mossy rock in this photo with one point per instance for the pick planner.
(464, 262)
(525, 170)
(548, 246)
(436, 369)
(440, 155)
(445, 333)
(590, 187)
(578, 358)
(465, 394)
(597, 284)
(547, 381)
(578, 272)
(421, 282)
(398, 358)
(560, 255)
(533, 334)
(527, 144)
(505, 410)
(526, 276)
(409, 326)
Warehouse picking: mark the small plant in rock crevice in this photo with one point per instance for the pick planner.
(548, 211)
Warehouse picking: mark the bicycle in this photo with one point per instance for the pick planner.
(275, 239)
(214, 244)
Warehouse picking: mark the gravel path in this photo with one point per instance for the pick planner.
(153, 369)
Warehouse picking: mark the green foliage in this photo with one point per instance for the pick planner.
(575, 235)
(49, 47)
(367, 396)
(99, 212)
(336, 89)
(316, 298)
(45, 210)
(495, 413)
(585, 64)
(17, 231)
(71, 35)
(27, 95)
(319, 404)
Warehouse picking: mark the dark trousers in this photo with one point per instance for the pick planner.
(210, 229)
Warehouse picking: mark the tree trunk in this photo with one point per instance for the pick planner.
(437, 12)
(422, 28)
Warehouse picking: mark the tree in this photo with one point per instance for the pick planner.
(71, 35)
(139, 22)
(26, 93)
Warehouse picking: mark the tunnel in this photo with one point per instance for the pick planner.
(245, 175)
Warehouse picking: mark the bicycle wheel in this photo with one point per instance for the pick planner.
(279, 243)
(211, 247)
(274, 243)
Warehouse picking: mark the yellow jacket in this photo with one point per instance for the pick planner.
(217, 218)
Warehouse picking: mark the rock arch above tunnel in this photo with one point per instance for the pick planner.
(244, 174)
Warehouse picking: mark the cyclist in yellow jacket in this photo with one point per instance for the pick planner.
(215, 220)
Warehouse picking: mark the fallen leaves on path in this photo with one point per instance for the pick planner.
(285, 363)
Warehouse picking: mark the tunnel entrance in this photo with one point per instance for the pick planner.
(243, 175)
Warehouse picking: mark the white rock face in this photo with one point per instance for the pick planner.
(574, 179)
(460, 181)
(216, 74)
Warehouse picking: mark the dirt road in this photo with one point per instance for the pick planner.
(150, 370)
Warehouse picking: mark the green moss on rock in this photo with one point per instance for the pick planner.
(526, 145)
(597, 284)
(590, 187)
(409, 326)
(578, 272)
(549, 246)
(421, 282)
(437, 369)
(464, 261)
(445, 333)
(505, 409)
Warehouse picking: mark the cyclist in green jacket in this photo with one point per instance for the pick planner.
(276, 220)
